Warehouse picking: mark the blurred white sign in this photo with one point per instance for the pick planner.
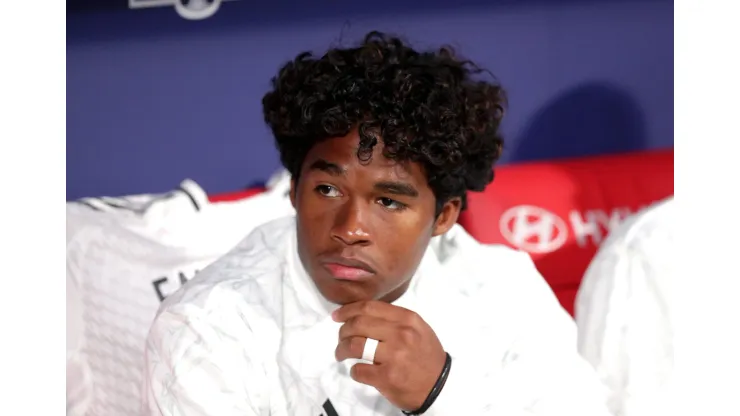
(187, 9)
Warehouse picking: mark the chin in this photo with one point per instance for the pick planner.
(342, 294)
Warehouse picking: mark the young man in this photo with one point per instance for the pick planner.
(372, 301)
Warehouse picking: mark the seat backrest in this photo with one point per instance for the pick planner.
(560, 211)
(236, 195)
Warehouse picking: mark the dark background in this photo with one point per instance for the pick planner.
(153, 98)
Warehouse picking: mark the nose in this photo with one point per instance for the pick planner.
(350, 225)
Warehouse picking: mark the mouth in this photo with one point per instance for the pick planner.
(343, 268)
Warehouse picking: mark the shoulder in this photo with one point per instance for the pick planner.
(643, 242)
(495, 275)
(651, 226)
(497, 294)
(246, 280)
(637, 254)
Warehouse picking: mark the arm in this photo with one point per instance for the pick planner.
(624, 330)
(199, 363)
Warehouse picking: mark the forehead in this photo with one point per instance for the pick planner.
(343, 151)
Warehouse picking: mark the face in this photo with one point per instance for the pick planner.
(363, 227)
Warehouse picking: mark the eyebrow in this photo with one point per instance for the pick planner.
(328, 167)
(397, 188)
(391, 187)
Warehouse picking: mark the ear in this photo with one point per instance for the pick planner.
(292, 192)
(448, 217)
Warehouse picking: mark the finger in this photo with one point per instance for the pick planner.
(374, 308)
(354, 347)
(368, 327)
(367, 374)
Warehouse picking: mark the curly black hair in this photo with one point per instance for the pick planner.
(426, 107)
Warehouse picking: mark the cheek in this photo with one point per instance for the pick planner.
(308, 205)
(313, 217)
(403, 245)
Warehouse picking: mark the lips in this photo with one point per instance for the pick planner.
(344, 268)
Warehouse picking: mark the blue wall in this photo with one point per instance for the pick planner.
(153, 98)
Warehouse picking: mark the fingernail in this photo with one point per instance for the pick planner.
(334, 315)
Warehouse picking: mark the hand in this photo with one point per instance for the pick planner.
(409, 357)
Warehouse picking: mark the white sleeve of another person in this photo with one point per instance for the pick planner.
(623, 317)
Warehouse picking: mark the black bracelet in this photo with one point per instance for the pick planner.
(435, 390)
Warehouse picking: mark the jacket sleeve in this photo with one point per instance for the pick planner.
(624, 329)
(201, 363)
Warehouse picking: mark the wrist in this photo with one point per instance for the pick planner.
(456, 397)
(436, 389)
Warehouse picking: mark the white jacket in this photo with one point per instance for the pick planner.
(251, 335)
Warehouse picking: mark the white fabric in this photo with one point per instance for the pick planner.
(123, 255)
(251, 335)
(624, 310)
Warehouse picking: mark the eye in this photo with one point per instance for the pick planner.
(328, 191)
(391, 204)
